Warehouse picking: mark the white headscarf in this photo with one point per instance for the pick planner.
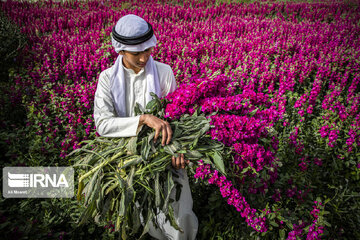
(132, 26)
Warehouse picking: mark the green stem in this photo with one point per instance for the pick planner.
(101, 165)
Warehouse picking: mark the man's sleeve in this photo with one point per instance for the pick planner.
(106, 121)
(170, 83)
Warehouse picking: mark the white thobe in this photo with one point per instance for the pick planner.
(108, 124)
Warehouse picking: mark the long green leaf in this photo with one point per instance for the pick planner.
(157, 190)
(90, 186)
(169, 187)
(218, 160)
(172, 219)
(148, 220)
(136, 223)
(131, 146)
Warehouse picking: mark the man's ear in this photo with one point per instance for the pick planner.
(122, 52)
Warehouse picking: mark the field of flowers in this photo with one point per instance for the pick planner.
(279, 80)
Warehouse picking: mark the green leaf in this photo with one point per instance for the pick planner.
(134, 161)
(282, 233)
(169, 187)
(265, 140)
(151, 105)
(274, 224)
(130, 179)
(96, 193)
(135, 219)
(253, 112)
(100, 199)
(120, 180)
(289, 225)
(145, 148)
(105, 208)
(147, 223)
(86, 214)
(122, 209)
(176, 130)
(137, 110)
(219, 163)
(157, 190)
(131, 146)
(172, 148)
(327, 223)
(207, 160)
(118, 223)
(90, 185)
(172, 219)
(80, 190)
(193, 154)
(112, 187)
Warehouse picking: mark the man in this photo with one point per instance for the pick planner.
(129, 81)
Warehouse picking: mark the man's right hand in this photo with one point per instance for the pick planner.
(159, 126)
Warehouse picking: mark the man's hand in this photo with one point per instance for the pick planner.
(159, 126)
(179, 162)
(163, 127)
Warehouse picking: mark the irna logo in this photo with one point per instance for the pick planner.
(36, 180)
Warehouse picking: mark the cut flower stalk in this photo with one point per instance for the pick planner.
(123, 178)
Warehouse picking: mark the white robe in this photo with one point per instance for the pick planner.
(109, 125)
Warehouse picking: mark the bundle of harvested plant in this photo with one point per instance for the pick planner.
(123, 178)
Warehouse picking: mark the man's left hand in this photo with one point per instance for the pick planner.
(179, 162)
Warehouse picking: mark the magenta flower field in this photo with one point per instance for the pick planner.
(280, 82)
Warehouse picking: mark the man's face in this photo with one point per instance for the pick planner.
(136, 60)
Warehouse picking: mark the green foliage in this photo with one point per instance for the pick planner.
(11, 44)
(119, 177)
(11, 112)
(338, 187)
(44, 219)
(217, 220)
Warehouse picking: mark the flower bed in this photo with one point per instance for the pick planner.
(282, 78)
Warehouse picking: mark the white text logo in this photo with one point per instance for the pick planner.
(35, 180)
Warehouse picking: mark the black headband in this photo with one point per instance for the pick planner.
(133, 40)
